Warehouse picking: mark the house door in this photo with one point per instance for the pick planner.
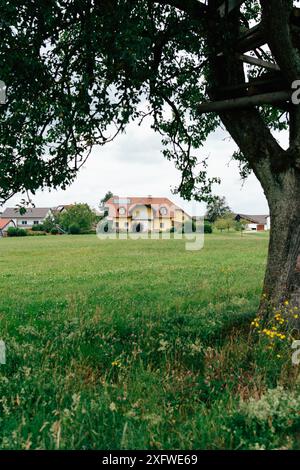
(138, 228)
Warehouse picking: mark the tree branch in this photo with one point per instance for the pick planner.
(276, 16)
(194, 8)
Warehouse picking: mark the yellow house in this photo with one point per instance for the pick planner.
(143, 214)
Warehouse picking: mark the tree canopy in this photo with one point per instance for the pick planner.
(226, 221)
(77, 72)
(105, 198)
(217, 208)
(80, 215)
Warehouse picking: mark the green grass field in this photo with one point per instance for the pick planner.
(138, 344)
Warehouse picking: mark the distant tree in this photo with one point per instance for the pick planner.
(107, 196)
(226, 222)
(78, 214)
(229, 220)
(217, 208)
(221, 224)
(240, 225)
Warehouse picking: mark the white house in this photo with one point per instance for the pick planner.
(32, 216)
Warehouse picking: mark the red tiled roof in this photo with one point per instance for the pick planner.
(3, 223)
(155, 202)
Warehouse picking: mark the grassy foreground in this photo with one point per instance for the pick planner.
(139, 344)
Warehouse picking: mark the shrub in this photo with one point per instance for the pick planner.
(21, 232)
(172, 229)
(54, 231)
(207, 227)
(12, 232)
(16, 232)
(38, 228)
(74, 229)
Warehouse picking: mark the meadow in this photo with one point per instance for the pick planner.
(126, 344)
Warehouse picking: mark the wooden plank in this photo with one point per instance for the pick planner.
(259, 62)
(228, 6)
(265, 83)
(295, 19)
(244, 102)
(251, 39)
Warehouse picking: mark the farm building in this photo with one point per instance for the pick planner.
(258, 223)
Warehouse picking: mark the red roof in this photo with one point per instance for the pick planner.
(141, 200)
(129, 203)
(4, 222)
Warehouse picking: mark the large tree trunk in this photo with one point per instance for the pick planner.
(282, 279)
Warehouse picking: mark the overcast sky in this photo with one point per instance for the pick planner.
(133, 165)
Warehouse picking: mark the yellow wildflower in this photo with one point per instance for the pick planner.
(116, 364)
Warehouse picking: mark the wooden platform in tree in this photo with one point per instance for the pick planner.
(269, 87)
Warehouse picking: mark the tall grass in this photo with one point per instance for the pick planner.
(139, 344)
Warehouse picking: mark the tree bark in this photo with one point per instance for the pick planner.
(282, 279)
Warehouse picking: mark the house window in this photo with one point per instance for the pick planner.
(36, 222)
(162, 225)
(24, 222)
(126, 224)
(163, 211)
(117, 224)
